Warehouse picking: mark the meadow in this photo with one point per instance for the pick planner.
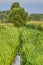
(9, 42)
(26, 40)
(32, 47)
(35, 24)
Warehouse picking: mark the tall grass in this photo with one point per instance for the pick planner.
(35, 24)
(32, 47)
(9, 42)
(27, 41)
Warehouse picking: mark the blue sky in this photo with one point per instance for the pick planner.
(31, 6)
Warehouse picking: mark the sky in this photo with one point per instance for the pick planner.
(31, 6)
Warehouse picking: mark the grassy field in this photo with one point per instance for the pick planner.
(29, 41)
(35, 24)
(9, 42)
(32, 47)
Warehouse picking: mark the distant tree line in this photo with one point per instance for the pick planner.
(35, 17)
(4, 15)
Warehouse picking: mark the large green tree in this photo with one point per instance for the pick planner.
(15, 5)
(17, 15)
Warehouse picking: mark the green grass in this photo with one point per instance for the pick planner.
(29, 41)
(9, 42)
(32, 47)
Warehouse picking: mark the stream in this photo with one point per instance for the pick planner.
(17, 60)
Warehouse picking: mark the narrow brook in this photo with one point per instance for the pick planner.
(17, 60)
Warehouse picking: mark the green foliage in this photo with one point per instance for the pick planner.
(17, 16)
(27, 42)
(15, 5)
(35, 17)
(32, 47)
(4, 16)
(31, 18)
(9, 42)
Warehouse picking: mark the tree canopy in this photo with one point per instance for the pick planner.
(15, 5)
(18, 16)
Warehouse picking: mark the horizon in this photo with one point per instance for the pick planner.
(30, 6)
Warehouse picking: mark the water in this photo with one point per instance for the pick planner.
(17, 60)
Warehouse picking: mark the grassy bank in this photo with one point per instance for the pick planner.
(32, 47)
(9, 42)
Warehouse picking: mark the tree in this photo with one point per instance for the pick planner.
(31, 18)
(17, 15)
(15, 5)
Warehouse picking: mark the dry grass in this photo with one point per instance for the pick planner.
(6, 25)
(35, 24)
